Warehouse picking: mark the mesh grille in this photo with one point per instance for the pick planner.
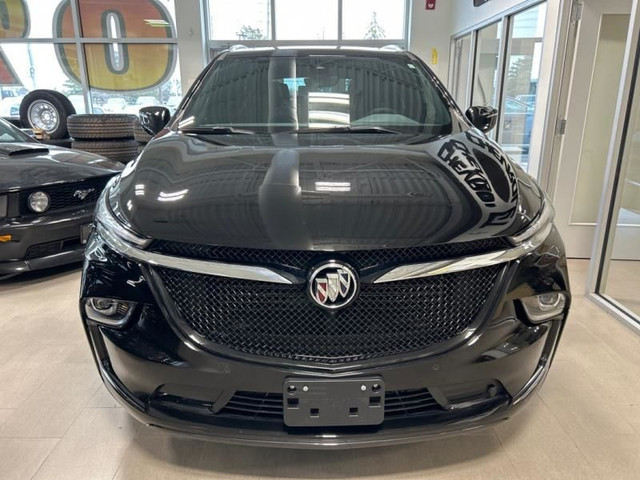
(280, 321)
(66, 196)
(269, 406)
(303, 259)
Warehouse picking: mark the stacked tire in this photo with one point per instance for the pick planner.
(109, 135)
(140, 135)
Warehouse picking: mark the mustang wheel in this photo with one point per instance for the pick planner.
(47, 110)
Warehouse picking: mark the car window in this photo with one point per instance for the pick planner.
(315, 93)
(9, 134)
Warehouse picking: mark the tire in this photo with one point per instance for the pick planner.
(141, 147)
(47, 110)
(101, 127)
(64, 142)
(122, 151)
(15, 121)
(139, 133)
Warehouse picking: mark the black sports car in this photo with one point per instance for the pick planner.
(47, 198)
(321, 250)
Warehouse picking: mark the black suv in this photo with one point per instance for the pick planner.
(321, 250)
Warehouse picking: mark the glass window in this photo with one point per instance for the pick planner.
(486, 78)
(296, 20)
(240, 20)
(521, 82)
(373, 19)
(127, 77)
(126, 18)
(28, 66)
(32, 19)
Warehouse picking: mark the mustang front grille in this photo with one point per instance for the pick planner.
(281, 321)
(67, 195)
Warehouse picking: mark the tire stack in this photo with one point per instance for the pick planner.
(140, 135)
(109, 135)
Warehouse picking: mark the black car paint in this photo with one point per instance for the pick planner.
(453, 188)
(28, 166)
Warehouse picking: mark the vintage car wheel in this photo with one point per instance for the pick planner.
(101, 127)
(47, 110)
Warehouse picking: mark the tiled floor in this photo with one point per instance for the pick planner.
(57, 421)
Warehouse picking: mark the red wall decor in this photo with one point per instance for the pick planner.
(430, 5)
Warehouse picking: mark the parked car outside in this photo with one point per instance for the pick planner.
(321, 250)
(47, 198)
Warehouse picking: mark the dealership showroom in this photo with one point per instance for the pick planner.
(319, 239)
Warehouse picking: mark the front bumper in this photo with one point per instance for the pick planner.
(57, 235)
(166, 380)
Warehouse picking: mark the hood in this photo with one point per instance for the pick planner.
(459, 188)
(29, 165)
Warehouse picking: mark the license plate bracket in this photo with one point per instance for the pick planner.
(340, 402)
(85, 231)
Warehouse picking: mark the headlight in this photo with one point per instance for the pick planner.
(539, 228)
(541, 308)
(111, 228)
(39, 202)
(108, 311)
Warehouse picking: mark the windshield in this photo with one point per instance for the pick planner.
(318, 94)
(10, 134)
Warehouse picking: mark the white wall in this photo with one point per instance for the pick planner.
(431, 29)
(191, 43)
(464, 15)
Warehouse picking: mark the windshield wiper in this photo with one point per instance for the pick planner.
(348, 129)
(216, 130)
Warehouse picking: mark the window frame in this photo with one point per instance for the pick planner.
(79, 41)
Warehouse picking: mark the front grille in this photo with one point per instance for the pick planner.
(269, 406)
(51, 248)
(67, 195)
(280, 321)
(303, 259)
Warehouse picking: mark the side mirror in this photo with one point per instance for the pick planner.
(154, 119)
(483, 118)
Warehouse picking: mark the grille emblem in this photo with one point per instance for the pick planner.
(82, 194)
(333, 285)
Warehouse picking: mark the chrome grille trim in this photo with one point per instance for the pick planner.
(263, 274)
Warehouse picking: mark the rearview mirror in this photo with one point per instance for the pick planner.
(154, 119)
(483, 118)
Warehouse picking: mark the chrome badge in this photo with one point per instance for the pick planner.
(82, 194)
(333, 285)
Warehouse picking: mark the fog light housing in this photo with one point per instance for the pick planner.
(39, 202)
(108, 311)
(541, 308)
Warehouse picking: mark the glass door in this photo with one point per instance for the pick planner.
(593, 96)
(461, 68)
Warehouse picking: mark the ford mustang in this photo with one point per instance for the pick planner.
(47, 198)
(320, 249)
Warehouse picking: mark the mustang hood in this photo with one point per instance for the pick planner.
(29, 165)
(458, 188)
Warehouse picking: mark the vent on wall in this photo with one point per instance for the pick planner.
(477, 3)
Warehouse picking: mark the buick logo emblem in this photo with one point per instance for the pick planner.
(333, 285)
(82, 194)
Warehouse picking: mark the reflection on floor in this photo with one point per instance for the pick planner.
(623, 283)
(58, 422)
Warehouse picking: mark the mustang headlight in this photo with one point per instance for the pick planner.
(539, 229)
(110, 228)
(39, 202)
